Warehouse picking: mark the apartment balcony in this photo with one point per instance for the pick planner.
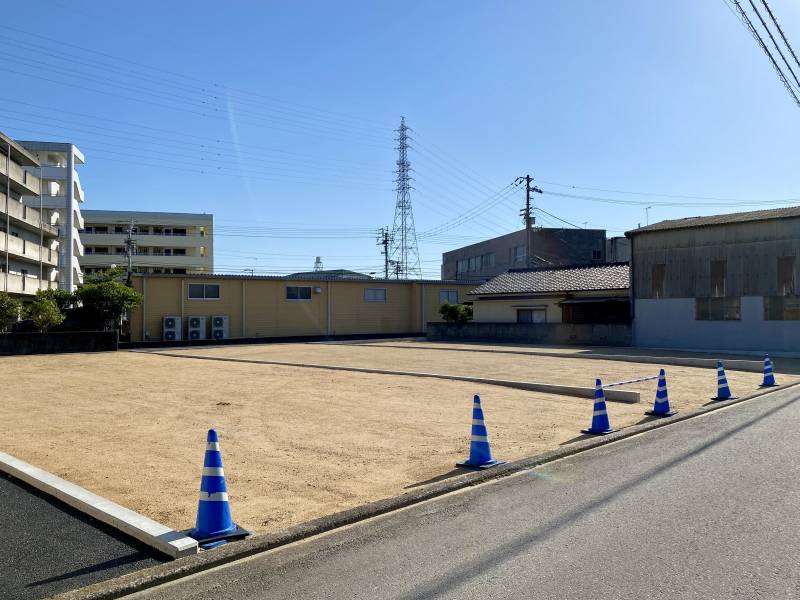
(26, 285)
(104, 261)
(26, 217)
(22, 181)
(147, 240)
(28, 251)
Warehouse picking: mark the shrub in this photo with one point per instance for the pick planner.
(9, 311)
(44, 313)
(456, 313)
(63, 299)
(103, 304)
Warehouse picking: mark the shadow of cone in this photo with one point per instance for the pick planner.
(723, 391)
(769, 376)
(480, 454)
(661, 405)
(214, 525)
(600, 423)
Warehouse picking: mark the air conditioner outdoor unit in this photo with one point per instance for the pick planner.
(171, 329)
(197, 328)
(219, 327)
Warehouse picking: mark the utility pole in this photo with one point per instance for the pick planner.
(528, 218)
(384, 239)
(130, 247)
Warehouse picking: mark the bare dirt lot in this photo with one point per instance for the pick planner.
(297, 443)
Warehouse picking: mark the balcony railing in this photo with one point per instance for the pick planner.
(26, 214)
(139, 233)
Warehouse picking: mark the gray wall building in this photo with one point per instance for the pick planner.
(551, 248)
(725, 282)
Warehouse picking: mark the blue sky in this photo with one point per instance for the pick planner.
(277, 117)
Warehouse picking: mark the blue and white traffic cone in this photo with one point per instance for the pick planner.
(600, 423)
(480, 454)
(769, 376)
(214, 525)
(661, 405)
(723, 391)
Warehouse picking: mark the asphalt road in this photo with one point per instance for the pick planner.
(47, 547)
(708, 508)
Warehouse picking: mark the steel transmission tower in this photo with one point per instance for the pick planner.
(404, 251)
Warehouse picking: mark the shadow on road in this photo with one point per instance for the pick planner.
(103, 566)
(450, 474)
(445, 583)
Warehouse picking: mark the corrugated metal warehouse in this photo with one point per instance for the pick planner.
(725, 282)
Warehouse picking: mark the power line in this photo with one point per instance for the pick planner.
(774, 43)
(780, 31)
(746, 20)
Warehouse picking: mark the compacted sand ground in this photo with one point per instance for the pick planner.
(297, 443)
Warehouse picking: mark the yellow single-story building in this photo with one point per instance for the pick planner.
(196, 307)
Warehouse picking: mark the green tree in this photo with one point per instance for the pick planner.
(104, 304)
(9, 311)
(63, 299)
(44, 313)
(111, 274)
(456, 313)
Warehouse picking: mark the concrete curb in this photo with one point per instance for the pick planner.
(158, 536)
(153, 576)
(736, 364)
(626, 396)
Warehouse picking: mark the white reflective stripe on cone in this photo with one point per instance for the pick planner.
(598, 413)
(478, 422)
(213, 471)
(215, 497)
(212, 446)
(479, 438)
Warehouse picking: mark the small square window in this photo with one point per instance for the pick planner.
(450, 296)
(375, 295)
(296, 292)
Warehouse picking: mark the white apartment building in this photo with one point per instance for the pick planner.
(61, 193)
(29, 243)
(176, 243)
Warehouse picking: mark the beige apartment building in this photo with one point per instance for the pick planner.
(29, 238)
(164, 243)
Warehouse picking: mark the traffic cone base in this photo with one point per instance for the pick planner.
(480, 454)
(214, 525)
(654, 413)
(600, 423)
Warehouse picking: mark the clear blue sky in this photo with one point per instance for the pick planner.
(279, 115)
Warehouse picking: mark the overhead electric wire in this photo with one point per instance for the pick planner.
(746, 20)
(780, 31)
(774, 43)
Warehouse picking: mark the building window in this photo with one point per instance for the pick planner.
(474, 264)
(658, 273)
(717, 309)
(203, 291)
(179, 252)
(487, 261)
(781, 308)
(375, 295)
(786, 275)
(718, 268)
(516, 254)
(298, 292)
(450, 296)
(179, 271)
(597, 255)
(531, 315)
(462, 266)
